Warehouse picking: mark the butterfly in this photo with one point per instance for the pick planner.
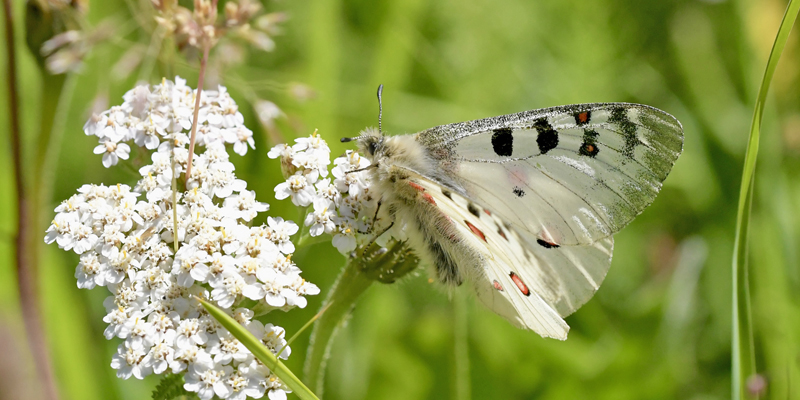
(523, 206)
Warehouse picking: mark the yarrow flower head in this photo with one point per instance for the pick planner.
(157, 250)
(343, 207)
(161, 115)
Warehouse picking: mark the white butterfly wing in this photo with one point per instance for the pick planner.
(532, 286)
(568, 175)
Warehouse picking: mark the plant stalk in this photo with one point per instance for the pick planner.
(372, 264)
(200, 80)
(742, 342)
(26, 239)
(349, 286)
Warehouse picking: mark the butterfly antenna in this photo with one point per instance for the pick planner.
(380, 115)
(380, 108)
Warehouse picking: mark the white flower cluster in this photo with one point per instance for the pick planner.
(343, 208)
(126, 243)
(150, 117)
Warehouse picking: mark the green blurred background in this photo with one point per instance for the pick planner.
(660, 325)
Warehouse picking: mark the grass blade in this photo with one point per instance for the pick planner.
(742, 348)
(260, 351)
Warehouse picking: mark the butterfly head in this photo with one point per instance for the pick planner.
(370, 142)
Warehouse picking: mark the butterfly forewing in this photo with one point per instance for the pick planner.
(569, 175)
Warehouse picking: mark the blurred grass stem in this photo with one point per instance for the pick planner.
(26, 239)
(742, 347)
(461, 346)
(152, 55)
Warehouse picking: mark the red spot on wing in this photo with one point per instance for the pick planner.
(416, 186)
(476, 231)
(487, 212)
(520, 284)
(517, 176)
(503, 234)
(551, 235)
(497, 285)
(428, 198)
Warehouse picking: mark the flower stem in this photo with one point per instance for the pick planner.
(26, 240)
(346, 290)
(200, 80)
(175, 243)
(372, 264)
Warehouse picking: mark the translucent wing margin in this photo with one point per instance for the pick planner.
(531, 285)
(567, 175)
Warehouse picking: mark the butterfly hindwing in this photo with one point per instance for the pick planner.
(532, 285)
(572, 175)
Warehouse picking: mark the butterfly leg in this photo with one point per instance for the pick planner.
(375, 238)
(375, 217)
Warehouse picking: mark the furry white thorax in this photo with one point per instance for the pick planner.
(430, 233)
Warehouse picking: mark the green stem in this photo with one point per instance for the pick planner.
(152, 55)
(461, 346)
(349, 286)
(742, 348)
(175, 243)
(308, 240)
(384, 265)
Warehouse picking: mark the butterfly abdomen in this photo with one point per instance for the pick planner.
(431, 233)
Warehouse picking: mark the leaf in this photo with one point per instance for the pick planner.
(171, 387)
(742, 347)
(260, 351)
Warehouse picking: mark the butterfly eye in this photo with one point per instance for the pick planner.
(372, 147)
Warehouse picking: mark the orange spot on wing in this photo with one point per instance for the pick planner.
(487, 212)
(476, 231)
(520, 284)
(583, 117)
(428, 198)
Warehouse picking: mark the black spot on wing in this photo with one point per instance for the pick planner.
(547, 245)
(619, 116)
(447, 193)
(589, 147)
(518, 191)
(548, 137)
(473, 210)
(503, 142)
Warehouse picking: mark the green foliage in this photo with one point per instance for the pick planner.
(660, 325)
(171, 387)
